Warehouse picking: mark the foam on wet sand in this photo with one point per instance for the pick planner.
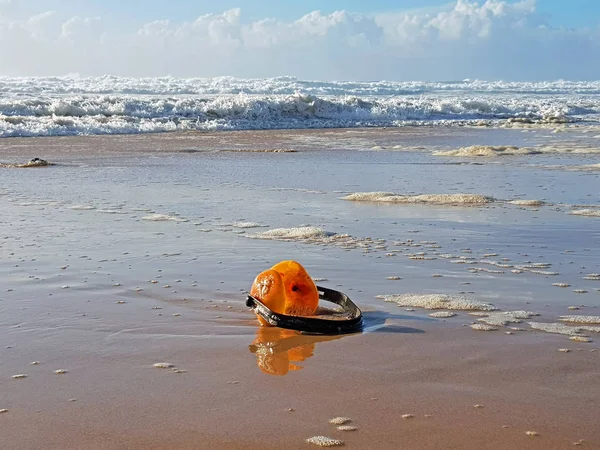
(438, 301)
(432, 199)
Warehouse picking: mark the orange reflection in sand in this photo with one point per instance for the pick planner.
(279, 351)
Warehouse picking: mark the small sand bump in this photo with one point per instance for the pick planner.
(339, 420)
(393, 278)
(478, 406)
(573, 308)
(324, 441)
(163, 365)
(443, 314)
(408, 416)
(347, 428)
(34, 363)
(60, 371)
(580, 291)
(19, 376)
(174, 370)
(532, 433)
(561, 285)
(564, 350)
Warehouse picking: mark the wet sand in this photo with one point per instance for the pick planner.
(104, 296)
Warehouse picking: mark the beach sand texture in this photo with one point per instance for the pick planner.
(124, 269)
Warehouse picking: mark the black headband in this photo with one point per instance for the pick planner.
(352, 321)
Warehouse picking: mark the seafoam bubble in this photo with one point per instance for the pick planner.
(163, 218)
(580, 339)
(580, 319)
(82, 207)
(585, 212)
(434, 199)
(438, 301)
(556, 328)
(247, 225)
(442, 314)
(324, 441)
(163, 365)
(482, 327)
(501, 318)
(488, 151)
(296, 233)
(340, 420)
(525, 202)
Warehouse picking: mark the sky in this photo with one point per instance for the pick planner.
(429, 40)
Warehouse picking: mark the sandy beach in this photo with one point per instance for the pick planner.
(133, 251)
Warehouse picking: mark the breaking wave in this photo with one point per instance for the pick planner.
(118, 105)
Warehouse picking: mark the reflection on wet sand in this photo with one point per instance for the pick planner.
(279, 350)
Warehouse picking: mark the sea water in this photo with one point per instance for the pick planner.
(62, 106)
(214, 219)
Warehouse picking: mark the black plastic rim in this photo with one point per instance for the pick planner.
(312, 324)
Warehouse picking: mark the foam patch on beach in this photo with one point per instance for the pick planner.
(526, 202)
(438, 301)
(247, 225)
(293, 234)
(580, 319)
(585, 212)
(434, 199)
(502, 318)
(163, 218)
(82, 207)
(488, 151)
(561, 328)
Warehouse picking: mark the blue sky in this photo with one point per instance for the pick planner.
(312, 39)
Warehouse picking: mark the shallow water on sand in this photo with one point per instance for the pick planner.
(118, 261)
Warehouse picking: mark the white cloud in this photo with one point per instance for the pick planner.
(495, 39)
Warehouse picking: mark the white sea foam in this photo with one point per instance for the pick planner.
(247, 225)
(561, 328)
(487, 151)
(501, 318)
(292, 234)
(82, 207)
(115, 105)
(526, 202)
(580, 319)
(434, 199)
(163, 218)
(585, 212)
(438, 301)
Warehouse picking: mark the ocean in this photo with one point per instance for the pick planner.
(64, 106)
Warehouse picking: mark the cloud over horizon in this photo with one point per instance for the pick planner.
(492, 40)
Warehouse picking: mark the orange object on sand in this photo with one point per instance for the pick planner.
(286, 288)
